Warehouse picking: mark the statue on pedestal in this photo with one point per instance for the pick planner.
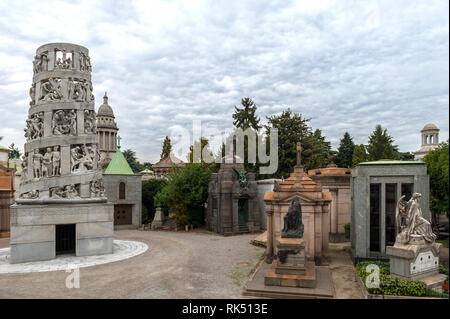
(293, 225)
(410, 223)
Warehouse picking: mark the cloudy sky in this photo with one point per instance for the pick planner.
(347, 65)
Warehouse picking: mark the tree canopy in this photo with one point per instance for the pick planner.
(166, 148)
(381, 145)
(437, 162)
(293, 128)
(185, 193)
(359, 155)
(345, 151)
(245, 117)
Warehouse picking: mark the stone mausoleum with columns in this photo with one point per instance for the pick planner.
(62, 208)
(107, 132)
(429, 139)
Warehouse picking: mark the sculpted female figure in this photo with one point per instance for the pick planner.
(414, 225)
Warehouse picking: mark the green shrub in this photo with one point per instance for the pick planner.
(347, 230)
(444, 270)
(149, 189)
(390, 285)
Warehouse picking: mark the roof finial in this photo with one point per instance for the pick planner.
(118, 141)
(105, 99)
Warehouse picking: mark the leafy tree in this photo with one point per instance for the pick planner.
(186, 192)
(437, 162)
(166, 148)
(406, 156)
(130, 156)
(293, 128)
(149, 190)
(345, 151)
(359, 155)
(381, 145)
(245, 117)
(15, 153)
(147, 165)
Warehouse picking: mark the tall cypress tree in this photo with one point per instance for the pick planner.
(246, 117)
(381, 145)
(345, 151)
(166, 148)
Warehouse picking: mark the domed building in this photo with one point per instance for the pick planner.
(430, 141)
(107, 133)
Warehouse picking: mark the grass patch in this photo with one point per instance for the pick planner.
(444, 242)
(237, 276)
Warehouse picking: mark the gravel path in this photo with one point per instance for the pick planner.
(176, 265)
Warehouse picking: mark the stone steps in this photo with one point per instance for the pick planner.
(243, 229)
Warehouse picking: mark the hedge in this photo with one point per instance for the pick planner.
(390, 285)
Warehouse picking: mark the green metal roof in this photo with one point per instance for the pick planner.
(118, 165)
(391, 162)
(4, 148)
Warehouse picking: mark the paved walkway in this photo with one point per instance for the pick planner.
(176, 265)
(123, 249)
(343, 273)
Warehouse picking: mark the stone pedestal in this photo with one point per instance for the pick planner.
(33, 229)
(413, 262)
(291, 269)
(416, 262)
(158, 220)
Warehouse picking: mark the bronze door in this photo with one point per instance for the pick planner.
(122, 214)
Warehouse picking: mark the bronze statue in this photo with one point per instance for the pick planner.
(293, 225)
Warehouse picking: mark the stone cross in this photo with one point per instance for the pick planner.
(299, 154)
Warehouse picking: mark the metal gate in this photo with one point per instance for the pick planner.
(122, 214)
(6, 200)
(65, 239)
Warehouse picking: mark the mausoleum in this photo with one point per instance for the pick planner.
(107, 132)
(124, 189)
(315, 209)
(232, 199)
(429, 141)
(335, 180)
(376, 188)
(62, 207)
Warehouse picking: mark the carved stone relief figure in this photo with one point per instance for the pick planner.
(68, 191)
(47, 163)
(56, 161)
(30, 195)
(24, 167)
(35, 126)
(82, 158)
(90, 91)
(90, 122)
(65, 62)
(64, 122)
(51, 90)
(97, 188)
(40, 63)
(85, 62)
(37, 164)
(33, 94)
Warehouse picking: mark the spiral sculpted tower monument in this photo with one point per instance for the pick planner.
(62, 207)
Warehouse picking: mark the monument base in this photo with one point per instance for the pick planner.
(34, 235)
(291, 269)
(412, 261)
(158, 220)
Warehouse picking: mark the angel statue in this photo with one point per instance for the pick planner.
(243, 182)
(410, 222)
